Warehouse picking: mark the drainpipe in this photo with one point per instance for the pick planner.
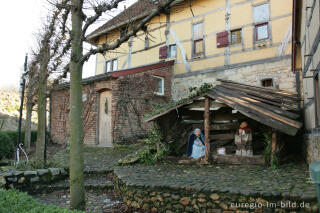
(293, 43)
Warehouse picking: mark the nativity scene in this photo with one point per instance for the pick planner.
(232, 123)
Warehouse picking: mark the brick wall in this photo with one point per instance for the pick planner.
(132, 96)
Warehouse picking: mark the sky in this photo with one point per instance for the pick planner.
(19, 20)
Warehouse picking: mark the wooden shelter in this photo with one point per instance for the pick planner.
(221, 109)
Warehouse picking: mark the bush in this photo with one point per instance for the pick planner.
(13, 201)
(8, 140)
(14, 136)
(6, 146)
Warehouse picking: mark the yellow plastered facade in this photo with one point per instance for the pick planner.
(216, 16)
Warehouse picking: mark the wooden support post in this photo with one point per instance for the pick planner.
(207, 128)
(274, 145)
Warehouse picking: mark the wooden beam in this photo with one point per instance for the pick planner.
(207, 128)
(274, 145)
(226, 136)
(226, 126)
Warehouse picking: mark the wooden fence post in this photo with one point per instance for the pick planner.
(207, 128)
(274, 144)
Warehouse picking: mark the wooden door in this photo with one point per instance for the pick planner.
(105, 137)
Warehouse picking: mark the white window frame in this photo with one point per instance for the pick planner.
(162, 85)
(169, 51)
(112, 69)
(261, 20)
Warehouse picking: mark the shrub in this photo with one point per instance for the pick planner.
(13, 201)
(6, 146)
(8, 140)
(14, 136)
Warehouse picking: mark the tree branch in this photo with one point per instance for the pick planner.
(106, 47)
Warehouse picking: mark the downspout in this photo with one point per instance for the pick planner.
(293, 43)
(293, 55)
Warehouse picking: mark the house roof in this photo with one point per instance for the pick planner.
(277, 109)
(138, 10)
(119, 73)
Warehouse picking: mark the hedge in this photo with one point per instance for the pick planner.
(8, 140)
(13, 201)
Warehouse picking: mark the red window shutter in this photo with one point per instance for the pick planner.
(163, 52)
(222, 39)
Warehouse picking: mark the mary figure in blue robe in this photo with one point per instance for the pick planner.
(196, 145)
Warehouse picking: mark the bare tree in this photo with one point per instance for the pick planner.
(80, 22)
(31, 90)
(47, 58)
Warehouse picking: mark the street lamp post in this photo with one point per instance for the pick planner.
(22, 87)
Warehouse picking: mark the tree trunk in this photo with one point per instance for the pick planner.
(77, 199)
(42, 105)
(27, 128)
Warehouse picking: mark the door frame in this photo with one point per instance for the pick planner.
(98, 116)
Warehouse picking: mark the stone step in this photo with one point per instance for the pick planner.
(89, 184)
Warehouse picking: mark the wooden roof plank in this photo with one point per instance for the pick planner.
(260, 110)
(293, 96)
(260, 103)
(263, 94)
(277, 104)
(262, 119)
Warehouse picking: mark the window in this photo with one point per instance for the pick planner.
(197, 36)
(146, 43)
(123, 32)
(261, 13)
(115, 65)
(262, 32)
(267, 82)
(261, 18)
(159, 82)
(236, 36)
(112, 65)
(172, 51)
(108, 66)
(198, 47)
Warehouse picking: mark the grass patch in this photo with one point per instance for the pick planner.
(13, 201)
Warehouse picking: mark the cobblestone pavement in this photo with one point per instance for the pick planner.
(288, 181)
(97, 158)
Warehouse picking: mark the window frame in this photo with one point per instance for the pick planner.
(267, 79)
(258, 5)
(194, 54)
(111, 61)
(230, 41)
(169, 51)
(146, 43)
(162, 85)
(256, 31)
(197, 39)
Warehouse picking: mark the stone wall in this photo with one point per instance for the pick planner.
(279, 70)
(31, 180)
(170, 199)
(132, 96)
